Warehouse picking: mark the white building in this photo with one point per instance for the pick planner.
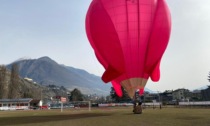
(181, 94)
(15, 104)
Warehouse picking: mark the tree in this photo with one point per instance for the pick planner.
(14, 85)
(3, 82)
(29, 93)
(76, 95)
(209, 77)
(124, 98)
(101, 99)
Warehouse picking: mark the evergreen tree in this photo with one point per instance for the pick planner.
(116, 98)
(76, 95)
(209, 77)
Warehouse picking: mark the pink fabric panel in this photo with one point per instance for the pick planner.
(141, 91)
(158, 40)
(104, 39)
(117, 88)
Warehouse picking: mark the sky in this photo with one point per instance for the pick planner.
(56, 28)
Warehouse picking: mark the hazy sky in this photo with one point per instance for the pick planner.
(56, 28)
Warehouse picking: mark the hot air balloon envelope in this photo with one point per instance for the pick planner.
(129, 38)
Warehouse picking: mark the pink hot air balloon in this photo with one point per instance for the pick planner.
(129, 38)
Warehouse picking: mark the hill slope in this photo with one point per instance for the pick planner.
(47, 72)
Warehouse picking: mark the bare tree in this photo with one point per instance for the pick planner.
(14, 85)
(3, 82)
(209, 77)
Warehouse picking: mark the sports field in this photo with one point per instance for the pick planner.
(121, 116)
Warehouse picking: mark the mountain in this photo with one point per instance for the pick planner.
(25, 88)
(148, 90)
(201, 88)
(46, 71)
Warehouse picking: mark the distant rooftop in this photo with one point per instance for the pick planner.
(16, 100)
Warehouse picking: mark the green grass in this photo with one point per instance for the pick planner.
(107, 117)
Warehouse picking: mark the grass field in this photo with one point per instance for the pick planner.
(107, 117)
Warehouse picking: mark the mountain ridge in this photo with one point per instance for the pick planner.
(46, 71)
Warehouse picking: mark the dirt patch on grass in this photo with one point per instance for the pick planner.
(34, 119)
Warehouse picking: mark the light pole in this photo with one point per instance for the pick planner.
(159, 99)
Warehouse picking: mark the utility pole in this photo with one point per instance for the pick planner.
(159, 99)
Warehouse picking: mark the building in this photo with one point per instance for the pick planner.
(35, 104)
(151, 97)
(166, 97)
(15, 104)
(196, 95)
(181, 94)
(206, 94)
(28, 79)
(19, 104)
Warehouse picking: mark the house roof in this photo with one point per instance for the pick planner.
(34, 101)
(16, 100)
